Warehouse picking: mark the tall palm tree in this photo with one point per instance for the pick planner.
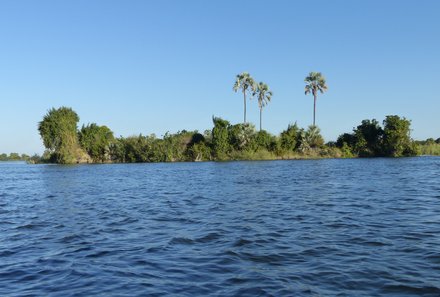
(315, 83)
(264, 94)
(247, 85)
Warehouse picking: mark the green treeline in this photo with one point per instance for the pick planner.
(14, 157)
(66, 144)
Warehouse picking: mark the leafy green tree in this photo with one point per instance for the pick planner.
(172, 147)
(289, 138)
(264, 140)
(397, 141)
(117, 150)
(264, 95)
(14, 157)
(220, 139)
(198, 148)
(240, 136)
(58, 129)
(315, 83)
(176, 145)
(137, 149)
(369, 137)
(246, 84)
(348, 139)
(96, 141)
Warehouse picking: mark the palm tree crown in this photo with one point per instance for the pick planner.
(247, 85)
(315, 83)
(264, 95)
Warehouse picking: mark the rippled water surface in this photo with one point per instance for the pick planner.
(281, 228)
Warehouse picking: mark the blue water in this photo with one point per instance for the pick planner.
(361, 227)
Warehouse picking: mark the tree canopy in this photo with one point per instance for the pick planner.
(96, 141)
(58, 129)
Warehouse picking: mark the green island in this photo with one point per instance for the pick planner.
(66, 144)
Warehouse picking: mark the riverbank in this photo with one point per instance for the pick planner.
(326, 152)
(261, 156)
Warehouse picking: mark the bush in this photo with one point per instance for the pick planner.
(396, 140)
(58, 129)
(266, 141)
(96, 141)
(368, 137)
(312, 137)
(289, 138)
(348, 139)
(220, 138)
(241, 136)
(430, 149)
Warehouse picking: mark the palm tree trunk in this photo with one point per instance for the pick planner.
(314, 109)
(261, 111)
(244, 101)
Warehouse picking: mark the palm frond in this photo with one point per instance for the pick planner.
(315, 82)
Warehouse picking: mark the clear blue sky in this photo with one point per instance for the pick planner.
(156, 66)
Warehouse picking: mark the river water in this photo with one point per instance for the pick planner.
(348, 227)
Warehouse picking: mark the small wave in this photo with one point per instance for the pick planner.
(433, 257)
(237, 280)
(407, 289)
(124, 221)
(7, 253)
(52, 261)
(181, 240)
(98, 254)
(242, 242)
(70, 238)
(30, 226)
(208, 238)
(271, 259)
(82, 249)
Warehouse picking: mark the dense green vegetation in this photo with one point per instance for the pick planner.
(65, 144)
(369, 139)
(96, 141)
